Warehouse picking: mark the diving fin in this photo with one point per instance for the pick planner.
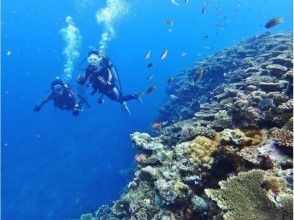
(125, 108)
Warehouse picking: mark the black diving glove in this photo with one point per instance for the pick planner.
(76, 110)
(37, 108)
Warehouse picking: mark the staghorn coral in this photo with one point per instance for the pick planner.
(242, 197)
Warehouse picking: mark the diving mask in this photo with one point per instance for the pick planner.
(58, 89)
(93, 59)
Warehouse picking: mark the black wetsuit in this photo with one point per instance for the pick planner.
(107, 87)
(66, 101)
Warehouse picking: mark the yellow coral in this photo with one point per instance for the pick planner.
(200, 150)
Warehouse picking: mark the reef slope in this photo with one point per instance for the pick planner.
(227, 150)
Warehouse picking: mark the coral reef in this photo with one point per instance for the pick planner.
(249, 93)
(226, 149)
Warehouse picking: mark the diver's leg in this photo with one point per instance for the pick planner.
(100, 99)
(113, 95)
(136, 96)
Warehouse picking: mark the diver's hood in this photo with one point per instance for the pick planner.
(94, 51)
(57, 82)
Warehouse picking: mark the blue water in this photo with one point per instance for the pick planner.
(56, 166)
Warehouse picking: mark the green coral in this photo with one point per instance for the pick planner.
(181, 190)
(243, 198)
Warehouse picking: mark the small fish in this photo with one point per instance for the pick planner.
(186, 1)
(205, 37)
(198, 75)
(273, 22)
(150, 77)
(150, 65)
(204, 8)
(164, 123)
(156, 125)
(147, 54)
(150, 90)
(170, 80)
(175, 3)
(169, 22)
(172, 96)
(183, 54)
(164, 54)
(8, 53)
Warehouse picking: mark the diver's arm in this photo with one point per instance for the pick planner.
(83, 79)
(43, 102)
(109, 75)
(77, 104)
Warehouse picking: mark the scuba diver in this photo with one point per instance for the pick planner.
(63, 97)
(102, 76)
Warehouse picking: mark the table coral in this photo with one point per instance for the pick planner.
(243, 198)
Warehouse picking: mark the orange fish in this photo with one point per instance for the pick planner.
(156, 126)
(164, 54)
(273, 22)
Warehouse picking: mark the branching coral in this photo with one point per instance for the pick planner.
(243, 198)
